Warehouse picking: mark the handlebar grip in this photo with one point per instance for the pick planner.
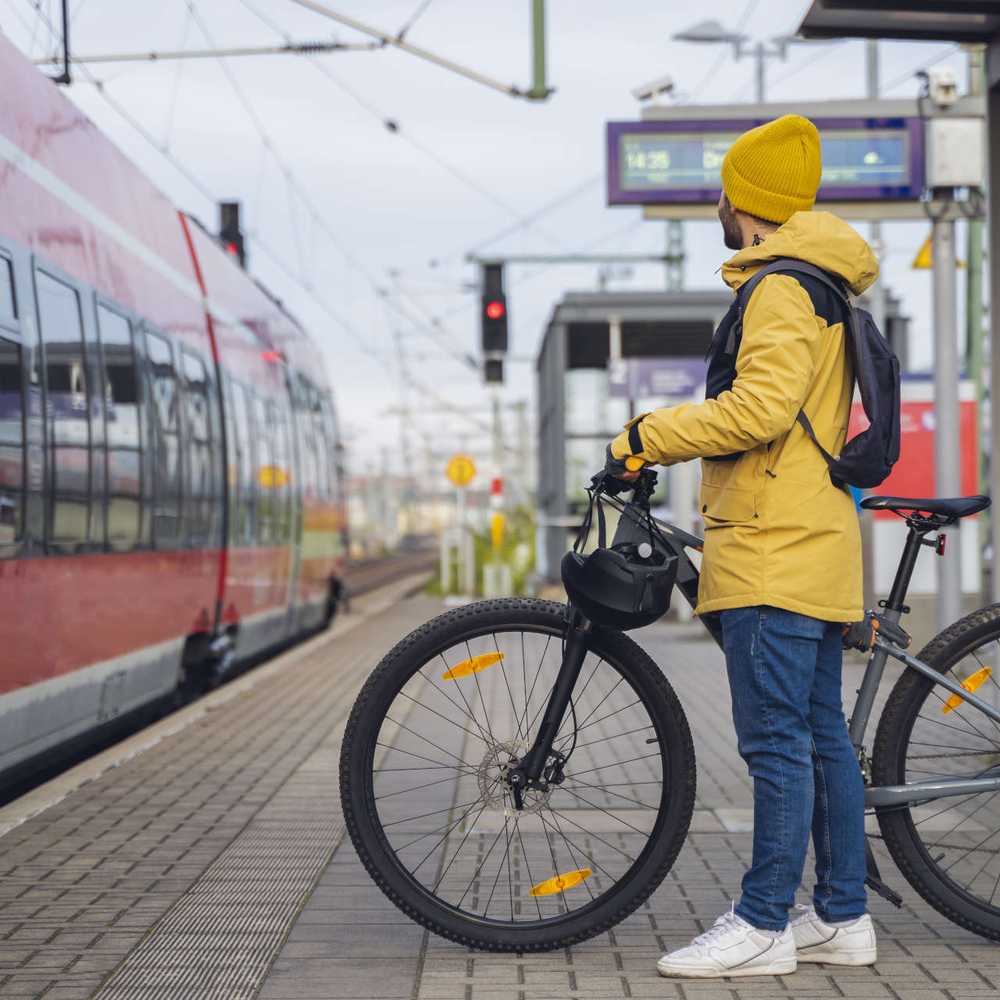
(633, 463)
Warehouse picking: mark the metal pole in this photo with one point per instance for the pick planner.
(407, 47)
(759, 52)
(539, 91)
(993, 218)
(871, 66)
(947, 450)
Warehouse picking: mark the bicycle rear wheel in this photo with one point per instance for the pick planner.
(947, 849)
(426, 751)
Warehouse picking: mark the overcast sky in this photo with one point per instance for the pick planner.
(398, 210)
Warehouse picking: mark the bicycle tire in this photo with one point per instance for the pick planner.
(372, 718)
(940, 847)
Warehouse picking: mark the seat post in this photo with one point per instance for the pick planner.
(897, 595)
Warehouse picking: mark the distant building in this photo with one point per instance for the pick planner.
(604, 357)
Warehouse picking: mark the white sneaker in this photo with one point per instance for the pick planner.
(732, 948)
(852, 943)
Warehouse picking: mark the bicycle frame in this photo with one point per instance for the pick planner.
(673, 540)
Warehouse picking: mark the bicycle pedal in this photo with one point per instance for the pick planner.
(883, 890)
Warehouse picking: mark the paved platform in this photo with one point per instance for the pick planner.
(206, 858)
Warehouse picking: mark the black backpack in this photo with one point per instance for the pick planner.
(868, 457)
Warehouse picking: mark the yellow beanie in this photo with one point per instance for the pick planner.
(773, 171)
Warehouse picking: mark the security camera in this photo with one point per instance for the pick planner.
(653, 90)
(942, 87)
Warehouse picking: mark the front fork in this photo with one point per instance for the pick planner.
(528, 774)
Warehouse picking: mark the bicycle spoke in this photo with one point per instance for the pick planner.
(435, 763)
(615, 736)
(510, 695)
(432, 743)
(617, 763)
(617, 795)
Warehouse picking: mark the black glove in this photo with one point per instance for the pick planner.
(860, 635)
(614, 466)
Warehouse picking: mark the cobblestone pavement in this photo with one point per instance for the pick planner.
(213, 865)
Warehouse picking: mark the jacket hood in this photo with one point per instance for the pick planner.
(817, 237)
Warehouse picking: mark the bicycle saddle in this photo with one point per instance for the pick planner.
(951, 508)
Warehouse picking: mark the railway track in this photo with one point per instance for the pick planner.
(368, 574)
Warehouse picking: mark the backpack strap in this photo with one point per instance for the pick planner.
(792, 265)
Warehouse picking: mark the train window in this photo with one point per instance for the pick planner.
(166, 442)
(8, 307)
(121, 420)
(68, 416)
(319, 437)
(11, 443)
(282, 472)
(243, 527)
(265, 471)
(331, 438)
(307, 451)
(199, 450)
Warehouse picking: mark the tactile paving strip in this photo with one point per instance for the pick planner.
(241, 908)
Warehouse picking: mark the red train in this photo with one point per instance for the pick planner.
(170, 489)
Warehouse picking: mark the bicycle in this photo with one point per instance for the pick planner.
(516, 780)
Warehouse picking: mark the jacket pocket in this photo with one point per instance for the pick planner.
(721, 505)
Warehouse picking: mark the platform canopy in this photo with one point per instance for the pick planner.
(928, 20)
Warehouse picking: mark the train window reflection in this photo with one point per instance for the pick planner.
(322, 455)
(121, 412)
(8, 309)
(282, 472)
(265, 471)
(11, 443)
(166, 461)
(67, 412)
(199, 450)
(243, 527)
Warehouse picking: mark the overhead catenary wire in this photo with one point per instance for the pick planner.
(328, 230)
(359, 341)
(393, 126)
(720, 57)
(924, 64)
(413, 19)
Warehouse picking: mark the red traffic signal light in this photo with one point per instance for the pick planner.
(495, 309)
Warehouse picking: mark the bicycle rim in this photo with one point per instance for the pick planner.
(957, 839)
(446, 815)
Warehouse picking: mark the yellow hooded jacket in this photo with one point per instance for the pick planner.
(777, 531)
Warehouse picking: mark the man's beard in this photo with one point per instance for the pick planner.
(732, 235)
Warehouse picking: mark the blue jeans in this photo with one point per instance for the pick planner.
(784, 675)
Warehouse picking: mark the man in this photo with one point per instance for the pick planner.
(782, 557)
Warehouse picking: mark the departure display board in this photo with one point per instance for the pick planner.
(656, 162)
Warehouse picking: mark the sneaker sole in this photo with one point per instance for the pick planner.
(783, 967)
(866, 957)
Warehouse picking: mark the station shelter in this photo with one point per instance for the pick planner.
(606, 356)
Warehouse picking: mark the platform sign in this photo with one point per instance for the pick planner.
(460, 470)
(680, 161)
(670, 378)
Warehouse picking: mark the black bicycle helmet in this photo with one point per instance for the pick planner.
(622, 587)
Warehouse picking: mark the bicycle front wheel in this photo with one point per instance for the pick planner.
(426, 754)
(948, 849)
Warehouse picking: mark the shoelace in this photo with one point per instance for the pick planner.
(722, 926)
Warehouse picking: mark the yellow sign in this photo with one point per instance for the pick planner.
(273, 477)
(460, 470)
(496, 531)
(925, 257)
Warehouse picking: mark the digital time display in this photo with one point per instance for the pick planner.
(682, 161)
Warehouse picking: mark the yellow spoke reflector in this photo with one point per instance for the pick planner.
(559, 883)
(971, 684)
(467, 667)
